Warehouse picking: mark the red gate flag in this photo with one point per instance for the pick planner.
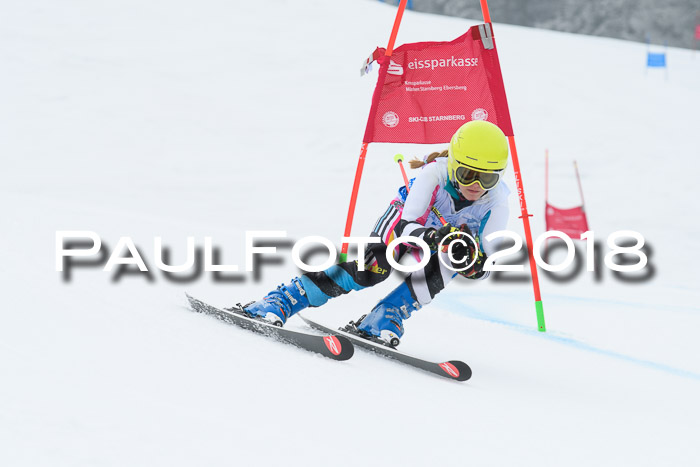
(572, 221)
(697, 32)
(427, 90)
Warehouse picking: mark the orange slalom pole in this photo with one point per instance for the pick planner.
(395, 29)
(546, 192)
(363, 151)
(580, 188)
(353, 199)
(523, 207)
(528, 234)
(546, 176)
(485, 11)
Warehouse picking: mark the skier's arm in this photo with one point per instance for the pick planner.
(419, 200)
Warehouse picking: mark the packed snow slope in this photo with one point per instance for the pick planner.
(212, 118)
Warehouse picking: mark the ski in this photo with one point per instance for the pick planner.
(331, 345)
(453, 369)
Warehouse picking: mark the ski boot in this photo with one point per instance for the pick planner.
(384, 324)
(277, 306)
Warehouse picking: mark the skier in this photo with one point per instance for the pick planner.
(463, 183)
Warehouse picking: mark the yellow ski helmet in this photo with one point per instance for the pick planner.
(478, 153)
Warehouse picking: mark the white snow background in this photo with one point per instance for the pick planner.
(211, 118)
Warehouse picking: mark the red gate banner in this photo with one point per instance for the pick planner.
(572, 221)
(697, 32)
(426, 90)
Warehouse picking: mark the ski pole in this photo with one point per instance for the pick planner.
(439, 216)
(399, 158)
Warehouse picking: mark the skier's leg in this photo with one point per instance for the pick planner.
(385, 321)
(344, 277)
(316, 288)
(279, 304)
(426, 283)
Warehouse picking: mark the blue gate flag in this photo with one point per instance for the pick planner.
(656, 60)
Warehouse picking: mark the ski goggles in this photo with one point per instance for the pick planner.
(487, 180)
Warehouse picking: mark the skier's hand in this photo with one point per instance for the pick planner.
(463, 249)
(449, 238)
(434, 237)
(477, 269)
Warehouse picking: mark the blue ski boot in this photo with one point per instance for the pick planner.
(277, 306)
(384, 324)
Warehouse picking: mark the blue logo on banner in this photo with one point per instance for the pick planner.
(656, 60)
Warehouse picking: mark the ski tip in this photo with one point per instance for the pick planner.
(341, 347)
(195, 304)
(456, 370)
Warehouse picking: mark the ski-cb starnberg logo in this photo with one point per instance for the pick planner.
(394, 68)
(390, 119)
(480, 114)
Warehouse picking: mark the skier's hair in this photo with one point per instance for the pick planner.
(416, 163)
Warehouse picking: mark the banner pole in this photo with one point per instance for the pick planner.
(523, 208)
(546, 176)
(363, 151)
(546, 195)
(580, 188)
(395, 29)
(485, 11)
(528, 235)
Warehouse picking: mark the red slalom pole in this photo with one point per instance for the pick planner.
(353, 200)
(363, 151)
(546, 192)
(523, 208)
(546, 176)
(485, 11)
(395, 29)
(528, 235)
(580, 188)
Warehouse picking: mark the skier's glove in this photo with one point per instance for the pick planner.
(434, 237)
(477, 269)
(448, 238)
(463, 251)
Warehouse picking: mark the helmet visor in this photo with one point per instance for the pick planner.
(487, 180)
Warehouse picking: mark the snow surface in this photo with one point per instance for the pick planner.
(211, 118)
